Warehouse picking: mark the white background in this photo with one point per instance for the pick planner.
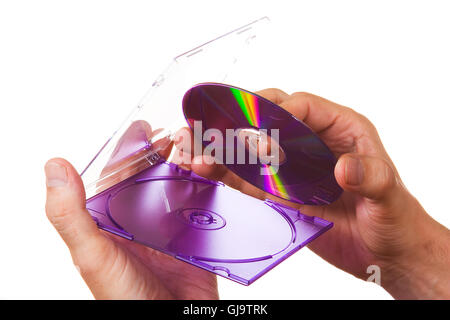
(70, 71)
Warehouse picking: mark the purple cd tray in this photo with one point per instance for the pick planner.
(203, 222)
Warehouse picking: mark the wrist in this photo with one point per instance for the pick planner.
(423, 272)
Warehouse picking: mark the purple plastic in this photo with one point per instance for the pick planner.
(203, 222)
(306, 175)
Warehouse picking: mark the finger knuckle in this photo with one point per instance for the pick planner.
(275, 91)
(92, 257)
(364, 119)
(275, 94)
(302, 95)
(88, 267)
(58, 212)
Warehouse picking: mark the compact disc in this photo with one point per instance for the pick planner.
(199, 220)
(304, 171)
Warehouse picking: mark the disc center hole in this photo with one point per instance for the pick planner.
(200, 217)
(261, 145)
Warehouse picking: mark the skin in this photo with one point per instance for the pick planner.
(376, 220)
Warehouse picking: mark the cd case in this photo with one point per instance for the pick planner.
(135, 191)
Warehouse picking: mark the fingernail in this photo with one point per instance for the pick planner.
(354, 171)
(56, 174)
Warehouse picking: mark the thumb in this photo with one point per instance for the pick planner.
(368, 176)
(66, 208)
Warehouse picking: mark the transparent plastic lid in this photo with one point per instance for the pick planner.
(151, 126)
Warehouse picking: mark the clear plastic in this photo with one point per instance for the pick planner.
(159, 114)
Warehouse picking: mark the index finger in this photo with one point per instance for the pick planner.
(318, 113)
(275, 95)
